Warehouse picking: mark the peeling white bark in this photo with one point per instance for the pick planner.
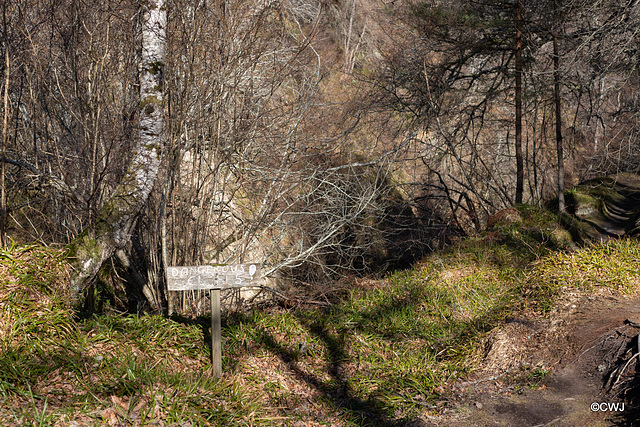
(119, 214)
(146, 162)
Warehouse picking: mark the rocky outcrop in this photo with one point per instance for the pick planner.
(608, 207)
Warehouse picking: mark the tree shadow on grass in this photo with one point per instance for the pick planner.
(326, 326)
(202, 322)
(369, 412)
(365, 412)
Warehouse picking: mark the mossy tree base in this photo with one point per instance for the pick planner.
(112, 231)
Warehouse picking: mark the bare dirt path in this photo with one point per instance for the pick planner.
(588, 346)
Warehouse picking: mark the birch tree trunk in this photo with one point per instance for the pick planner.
(112, 230)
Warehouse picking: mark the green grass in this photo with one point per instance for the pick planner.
(388, 351)
(614, 265)
(385, 352)
(138, 370)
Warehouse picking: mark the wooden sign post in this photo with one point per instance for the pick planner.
(214, 278)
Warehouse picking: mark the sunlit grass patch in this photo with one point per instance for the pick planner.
(35, 320)
(136, 370)
(613, 265)
(385, 351)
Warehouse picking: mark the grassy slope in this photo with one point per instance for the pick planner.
(387, 351)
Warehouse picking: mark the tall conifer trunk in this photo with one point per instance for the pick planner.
(556, 95)
(518, 101)
(116, 219)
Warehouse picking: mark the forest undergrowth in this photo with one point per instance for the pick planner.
(378, 352)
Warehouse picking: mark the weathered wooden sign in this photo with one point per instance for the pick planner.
(214, 278)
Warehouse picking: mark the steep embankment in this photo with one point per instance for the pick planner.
(550, 371)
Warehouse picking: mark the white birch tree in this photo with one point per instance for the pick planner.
(117, 217)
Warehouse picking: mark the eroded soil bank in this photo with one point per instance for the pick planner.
(589, 347)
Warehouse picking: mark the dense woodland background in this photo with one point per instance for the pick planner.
(321, 138)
